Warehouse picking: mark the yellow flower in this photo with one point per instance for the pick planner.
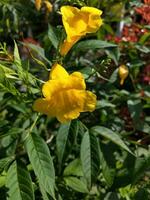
(123, 73)
(65, 96)
(77, 23)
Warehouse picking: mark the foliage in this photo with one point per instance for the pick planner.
(101, 155)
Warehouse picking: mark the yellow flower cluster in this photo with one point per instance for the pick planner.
(65, 96)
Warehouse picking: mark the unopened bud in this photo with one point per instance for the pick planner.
(48, 6)
(123, 73)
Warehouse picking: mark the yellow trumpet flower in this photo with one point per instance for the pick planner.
(123, 73)
(65, 96)
(77, 23)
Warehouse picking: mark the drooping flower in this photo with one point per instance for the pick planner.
(123, 73)
(65, 96)
(39, 3)
(77, 23)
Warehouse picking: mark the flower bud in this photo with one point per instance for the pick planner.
(123, 73)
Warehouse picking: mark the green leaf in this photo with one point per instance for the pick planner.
(2, 180)
(113, 53)
(52, 36)
(92, 44)
(43, 192)
(109, 134)
(38, 50)
(4, 162)
(108, 162)
(90, 159)
(17, 59)
(74, 168)
(111, 196)
(66, 138)
(41, 161)
(19, 182)
(76, 184)
(61, 141)
(6, 85)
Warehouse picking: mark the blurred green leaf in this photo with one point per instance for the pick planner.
(109, 134)
(52, 36)
(108, 163)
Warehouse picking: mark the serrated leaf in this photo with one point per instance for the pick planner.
(52, 36)
(19, 183)
(109, 134)
(90, 159)
(76, 184)
(92, 44)
(41, 161)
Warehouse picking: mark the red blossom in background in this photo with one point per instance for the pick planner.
(130, 33)
(144, 11)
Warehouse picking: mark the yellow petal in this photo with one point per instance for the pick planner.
(89, 101)
(76, 81)
(48, 107)
(72, 102)
(67, 45)
(41, 105)
(91, 10)
(73, 22)
(94, 21)
(58, 72)
(53, 86)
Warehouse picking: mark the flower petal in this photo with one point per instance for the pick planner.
(72, 102)
(89, 101)
(76, 81)
(73, 22)
(58, 72)
(67, 45)
(91, 10)
(41, 105)
(94, 21)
